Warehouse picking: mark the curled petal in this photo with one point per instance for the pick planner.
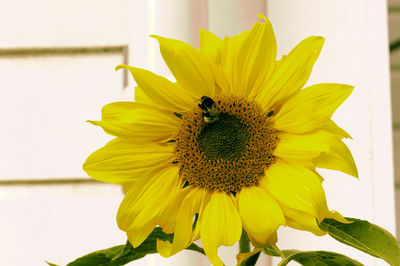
(338, 158)
(260, 213)
(296, 187)
(331, 127)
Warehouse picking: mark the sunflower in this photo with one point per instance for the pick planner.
(232, 144)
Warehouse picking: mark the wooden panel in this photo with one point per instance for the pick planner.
(395, 84)
(396, 153)
(395, 58)
(47, 23)
(44, 103)
(394, 26)
(394, 3)
(56, 223)
(60, 223)
(394, 34)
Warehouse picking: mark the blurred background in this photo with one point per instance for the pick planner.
(57, 61)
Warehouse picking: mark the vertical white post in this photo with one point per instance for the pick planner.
(230, 17)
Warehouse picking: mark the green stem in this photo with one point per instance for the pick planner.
(244, 243)
(244, 246)
(279, 251)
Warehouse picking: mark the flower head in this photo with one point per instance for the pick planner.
(233, 142)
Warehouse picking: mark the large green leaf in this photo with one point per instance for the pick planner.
(121, 255)
(366, 237)
(320, 258)
(311, 258)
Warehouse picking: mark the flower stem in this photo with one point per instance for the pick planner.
(244, 247)
(274, 246)
(244, 243)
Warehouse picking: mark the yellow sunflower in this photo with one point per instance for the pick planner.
(234, 142)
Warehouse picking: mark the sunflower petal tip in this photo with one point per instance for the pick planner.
(157, 37)
(119, 67)
(355, 174)
(164, 248)
(320, 41)
(263, 17)
(96, 123)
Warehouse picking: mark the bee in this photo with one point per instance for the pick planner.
(210, 112)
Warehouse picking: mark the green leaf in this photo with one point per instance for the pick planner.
(366, 237)
(252, 260)
(51, 264)
(121, 255)
(320, 258)
(273, 251)
(311, 258)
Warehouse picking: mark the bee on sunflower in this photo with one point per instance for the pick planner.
(242, 158)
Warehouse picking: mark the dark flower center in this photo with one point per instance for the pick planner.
(230, 152)
(225, 138)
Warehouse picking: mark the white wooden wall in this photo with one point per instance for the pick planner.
(50, 210)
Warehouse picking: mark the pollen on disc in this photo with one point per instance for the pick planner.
(229, 153)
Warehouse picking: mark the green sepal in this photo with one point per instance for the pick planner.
(123, 254)
(311, 258)
(366, 237)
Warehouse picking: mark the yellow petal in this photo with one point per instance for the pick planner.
(122, 161)
(189, 202)
(189, 67)
(117, 110)
(338, 158)
(296, 187)
(126, 187)
(142, 98)
(147, 198)
(136, 237)
(160, 90)
(311, 108)
(142, 123)
(302, 221)
(303, 146)
(331, 127)
(319, 148)
(291, 73)
(249, 58)
(260, 213)
(220, 225)
(211, 48)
